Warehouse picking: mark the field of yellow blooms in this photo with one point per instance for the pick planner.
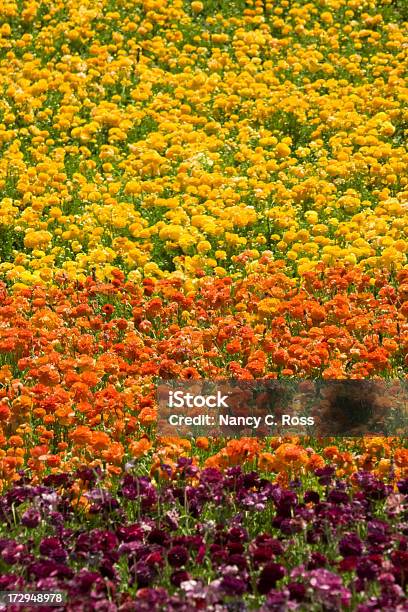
(206, 189)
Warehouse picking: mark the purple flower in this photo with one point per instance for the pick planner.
(52, 548)
(269, 576)
(172, 519)
(83, 581)
(351, 545)
(31, 518)
(231, 585)
(328, 588)
(338, 496)
(278, 601)
(291, 526)
(95, 541)
(48, 568)
(139, 488)
(12, 552)
(177, 556)
(210, 477)
(374, 488)
(368, 568)
(143, 574)
(325, 474)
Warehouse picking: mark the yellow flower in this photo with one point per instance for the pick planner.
(282, 149)
(204, 246)
(197, 7)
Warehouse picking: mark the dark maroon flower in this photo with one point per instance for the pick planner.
(200, 554)
(351, 545)
(11, 581)
(235, 547)
(97, 540)
(264, 539)
(151, 599)
(239, 561)
(52, 548)
(154, 557)
(177, 556)
(158, 536)
(311, 497)
(269, 576)
(264, 547)
(63, 479)
(48, 567)
(218, 554)
(297, 591)
(107, 570)
(399, 559)
(192, 542)
(286, 504)
(373, 488)
(130, 533)
(237, 534)
(403, 486)
(290, 526)
(56, 518)
(210, 476)
(348, 564)
(316, 560)
(172, 519)
(178, 577)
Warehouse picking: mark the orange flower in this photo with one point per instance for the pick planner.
(148, 416)
(16, 441)
(315, 462)
(81, 436)
(291, 455)
(401, 457)
(266, 462)
(202, 443)
(114, 454)
(100, 440)
(140, 447)
(53, 460)
(5, 413)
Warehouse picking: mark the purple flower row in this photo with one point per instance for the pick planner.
(208, 540)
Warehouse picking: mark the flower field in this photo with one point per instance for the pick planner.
(210, 189)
